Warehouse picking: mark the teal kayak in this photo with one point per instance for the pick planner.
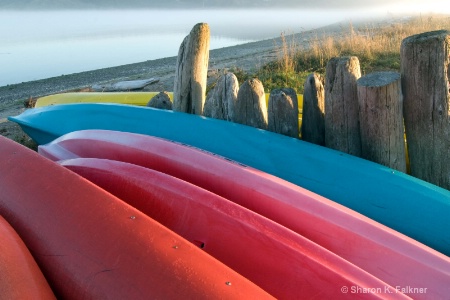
(411, 206)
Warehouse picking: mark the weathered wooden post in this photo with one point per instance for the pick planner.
(251, 107)
(341, 105)
(425, 69)
(283, 112)
(222, 98)
(381, 119)
(313, 116)
(161, 101)
(191, 71)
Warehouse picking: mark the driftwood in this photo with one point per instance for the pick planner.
(313, 116)
(341, 105)
(191, 71)
(251, 107)
(425, 65)
(161, 101)
(221, 99)
(123, 86)
(283, 112)
(381, 114)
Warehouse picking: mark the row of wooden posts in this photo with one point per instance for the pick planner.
(364, 116)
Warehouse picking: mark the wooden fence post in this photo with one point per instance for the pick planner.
(283, 112)
(313, 116)
(341, 105)
(191, 71)
(381, 114)
(161, 101)
(251, 107)
(425, 69)
(221, 99)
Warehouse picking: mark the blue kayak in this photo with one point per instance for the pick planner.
(411, 206)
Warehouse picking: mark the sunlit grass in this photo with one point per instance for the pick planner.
(377, 48)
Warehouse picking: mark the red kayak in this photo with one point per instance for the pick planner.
(91, 245)
(283, 263)
(381, 251)
(20, 276)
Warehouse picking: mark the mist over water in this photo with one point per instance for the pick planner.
(41, 44)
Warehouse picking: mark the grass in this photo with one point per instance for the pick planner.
(377, 48)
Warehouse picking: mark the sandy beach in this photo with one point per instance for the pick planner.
(250, 56)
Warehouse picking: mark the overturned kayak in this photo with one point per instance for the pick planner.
(381, 251)
(92, 245)
(20, 277)
(131, 98)
(283, 263)
(411, 206)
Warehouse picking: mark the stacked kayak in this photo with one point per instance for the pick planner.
(130, 98)
(285, 264)
(21, 277)
(408, 205)
(90, 244)
(390, 256)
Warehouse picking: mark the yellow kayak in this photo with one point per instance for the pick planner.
(131, 98)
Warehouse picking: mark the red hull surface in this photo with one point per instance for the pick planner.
(283, 263)
(383, 252)
(91, 245)
(20, 276)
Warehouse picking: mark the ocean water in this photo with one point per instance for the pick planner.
(41, 44)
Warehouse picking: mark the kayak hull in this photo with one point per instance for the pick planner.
(130, 98)
(411, 206)
(21, 277)
(242, 239)
(369, 245)
(91, 245)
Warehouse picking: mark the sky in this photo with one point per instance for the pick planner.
(394, 6)
(420, 6)
(416, 5)
(397, 6)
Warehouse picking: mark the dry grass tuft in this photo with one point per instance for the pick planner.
(371, 43)
(377, 48)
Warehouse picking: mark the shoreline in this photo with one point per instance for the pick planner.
(14, 98)
(246, 56)
(249, 56)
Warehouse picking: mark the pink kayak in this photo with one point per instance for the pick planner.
(396, 259)
(91, 245)
(283, 263)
